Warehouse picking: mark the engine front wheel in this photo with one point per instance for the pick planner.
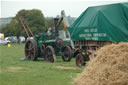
(67, 54)
(50, 54)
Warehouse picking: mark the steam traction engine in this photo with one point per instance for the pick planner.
(47, 45)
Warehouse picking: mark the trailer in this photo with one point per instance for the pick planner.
(98, 26)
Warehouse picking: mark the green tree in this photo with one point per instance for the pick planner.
(9, 29)
(34, 18)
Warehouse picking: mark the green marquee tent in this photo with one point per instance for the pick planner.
(102, 23)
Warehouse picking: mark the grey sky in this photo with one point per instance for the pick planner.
(9, 8)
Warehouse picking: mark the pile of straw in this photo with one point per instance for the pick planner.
(109, 67)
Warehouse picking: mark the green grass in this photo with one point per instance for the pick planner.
(13, 71)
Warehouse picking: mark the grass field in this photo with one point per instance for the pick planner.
(13, 71)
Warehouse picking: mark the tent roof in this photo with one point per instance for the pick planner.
(102, 23)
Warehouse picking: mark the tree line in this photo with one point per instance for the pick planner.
(35, 20)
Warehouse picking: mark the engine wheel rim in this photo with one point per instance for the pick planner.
(49, 57)
(79, 61)
(29, 50)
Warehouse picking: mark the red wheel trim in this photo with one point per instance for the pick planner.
(42, 48)
(79, 60)
(31, 50)
(59, 41)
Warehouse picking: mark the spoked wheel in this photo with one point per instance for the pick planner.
(80, 60)
(50, 54)
(67, 54)
(31, 51)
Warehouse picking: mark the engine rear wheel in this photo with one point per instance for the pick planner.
(67, 54)
(80, 60)
(50, 54)
(31, 50)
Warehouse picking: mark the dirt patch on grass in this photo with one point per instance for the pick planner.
(109, 67)
(68, 68)
(15, 69)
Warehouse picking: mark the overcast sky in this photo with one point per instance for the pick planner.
(9, 8)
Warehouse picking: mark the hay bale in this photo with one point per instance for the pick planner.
(109, 67)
